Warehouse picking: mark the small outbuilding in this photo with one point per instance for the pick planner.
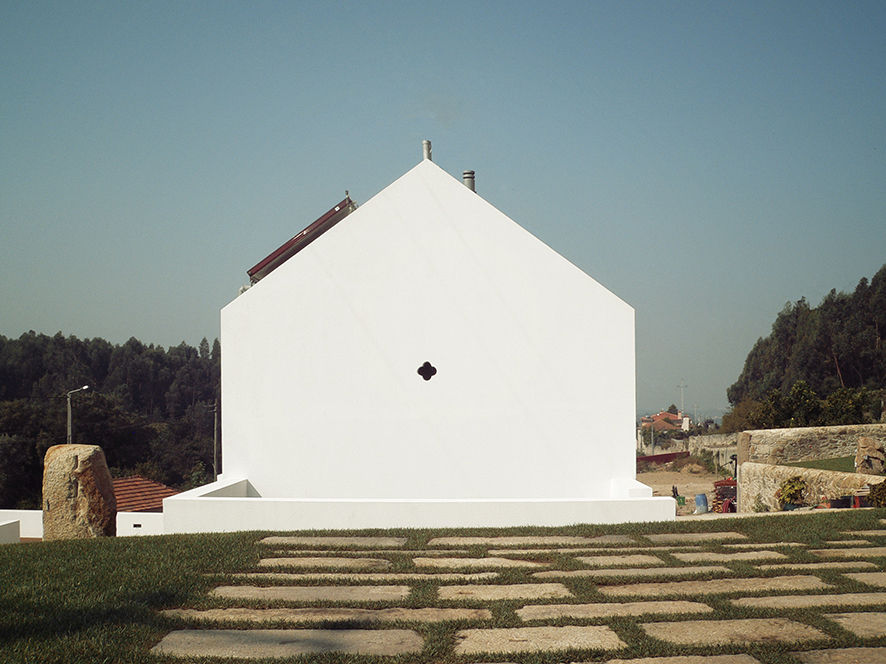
(422, 360)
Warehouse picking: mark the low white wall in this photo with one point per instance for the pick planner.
(9, 532)
(230, 505)
(30, 521)
(139, 523)
(128, 523)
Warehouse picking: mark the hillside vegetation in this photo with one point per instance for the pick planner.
(819, 365)
(150, 408)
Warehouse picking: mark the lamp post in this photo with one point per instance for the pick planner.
(79, 389)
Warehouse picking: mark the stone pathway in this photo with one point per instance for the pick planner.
(503, 598)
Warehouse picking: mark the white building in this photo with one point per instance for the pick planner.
(422, 360)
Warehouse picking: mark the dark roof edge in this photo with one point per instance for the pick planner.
(295, 244)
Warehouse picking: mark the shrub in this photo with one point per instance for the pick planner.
(792, 490)
(877, 496)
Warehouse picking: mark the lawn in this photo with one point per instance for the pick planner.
(843, 464)
(97, 600)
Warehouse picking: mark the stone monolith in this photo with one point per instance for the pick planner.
(78, 495)
(870, 456)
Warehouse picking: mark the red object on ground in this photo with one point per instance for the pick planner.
(663, 458)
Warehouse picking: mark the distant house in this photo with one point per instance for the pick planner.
(138, 494)
(665, 421)
(422, 360)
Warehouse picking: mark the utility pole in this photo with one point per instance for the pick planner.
(682, 386)
(70, 418)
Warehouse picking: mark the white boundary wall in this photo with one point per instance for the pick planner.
(30, 521)
(234, 505)
(128, 523)
(9, 532)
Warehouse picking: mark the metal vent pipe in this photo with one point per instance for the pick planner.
(426, 150)
(468, 178)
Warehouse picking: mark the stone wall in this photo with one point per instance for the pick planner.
(662, 446)
(721, 445)
(758, 482)
(776, 446)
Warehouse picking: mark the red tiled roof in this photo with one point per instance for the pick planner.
(137, 494)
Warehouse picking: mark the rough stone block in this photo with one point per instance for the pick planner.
(869, 456)
(78, 494)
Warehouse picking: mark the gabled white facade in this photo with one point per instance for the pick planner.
(529, 418)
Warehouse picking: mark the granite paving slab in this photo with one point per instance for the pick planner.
(869, 578)
(861, 552)
(694, 538)
(456, 563)
(365, 552)
(715, 586)
(325, 561)
(256, 643)
(844, 542)
(761, 545)
(623, 561)
(504, 592)
(535, 639)
(866, 625)
(609, 551)
(864, 533)
(842, 656)
(296, 577)
(709, 556)
(637, 572)
(607, 609)
(810, 601)
(834, 565)
(338, 542)
(531, 540)
(688, 659)
(313, 593)
(744, 630)
(329, 615)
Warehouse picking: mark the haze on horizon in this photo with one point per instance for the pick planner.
(706, 162)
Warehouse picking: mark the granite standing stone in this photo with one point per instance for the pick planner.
(78, 495)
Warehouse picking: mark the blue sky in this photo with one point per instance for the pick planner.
(707, 162)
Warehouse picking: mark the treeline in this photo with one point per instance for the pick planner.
(149, 408)
(819, 365)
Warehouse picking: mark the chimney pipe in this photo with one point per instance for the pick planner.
(468, 178)
(426, 150)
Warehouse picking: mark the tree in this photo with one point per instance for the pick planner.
(148, 407)
(837, 345)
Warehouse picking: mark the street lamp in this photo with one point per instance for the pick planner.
(79, 389)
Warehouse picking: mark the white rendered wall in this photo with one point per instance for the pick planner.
(30, 521)
(225, 507)
(534, 395)
(128, 523)
(9, 532)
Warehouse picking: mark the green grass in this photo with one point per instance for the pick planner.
(97, 600)
(843, 464)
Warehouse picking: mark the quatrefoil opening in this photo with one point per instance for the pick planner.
(427, 371)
